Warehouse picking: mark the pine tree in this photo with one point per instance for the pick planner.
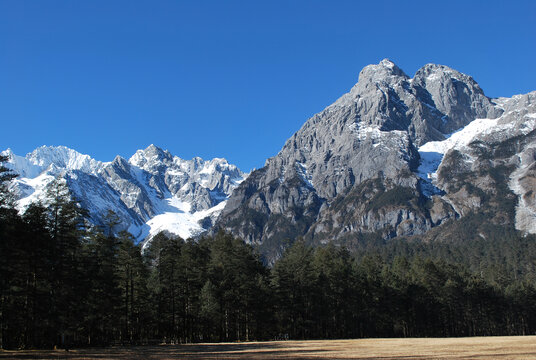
(66, 227)
(236, 278)
(334, 303)
(35, 248)
(193, 275)
(7, 200)
(295, 290)
(8, 224)
(132, 276)
(105, 290)
(164, 254)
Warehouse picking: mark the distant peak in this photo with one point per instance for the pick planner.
(384, 70)
(152, 148)
(387, 63)
(431, 69)
(119, 160)
(52, 148)
(219, 160)
(47, 151)
(152, 154)
(441, 73)
(62, 157)
(8, 152)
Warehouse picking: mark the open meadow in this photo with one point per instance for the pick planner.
(521, 347)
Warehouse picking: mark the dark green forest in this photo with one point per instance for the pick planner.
(62, 284)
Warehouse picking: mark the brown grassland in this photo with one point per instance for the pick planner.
(521, 347)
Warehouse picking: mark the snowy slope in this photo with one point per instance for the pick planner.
(517, 124)
(432, 152)
(153, 191)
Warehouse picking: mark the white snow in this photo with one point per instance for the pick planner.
(143, 190)
(21, 165)
(178, 220)
(63, 157)
(525, 213)
(51, 158)
(374, 133)
(304, 174)
(433, 77)
(432, 152)
(387, 63)
(32, 190)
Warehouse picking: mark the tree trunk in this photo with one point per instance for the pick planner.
(34, 307)
(247, 327)
(1, 322)
(127, 330)
(226, 325)
(131, 304)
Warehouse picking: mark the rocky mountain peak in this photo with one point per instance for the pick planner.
(118, 164)
(63, 157)
(455, 96)
(441, 73)
(384, 71)
(151, 157)
(119, 160)
(353, 168)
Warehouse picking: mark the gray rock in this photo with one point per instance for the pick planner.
(372, 132)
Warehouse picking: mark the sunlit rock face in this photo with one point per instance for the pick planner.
(374, 161)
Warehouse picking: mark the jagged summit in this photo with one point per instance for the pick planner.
(432, 72)
(153, 150)
(388, 63)
(432, 104)
(63, 157)
(384, 70)
(365, 144)
(152, 191)
(150, 158)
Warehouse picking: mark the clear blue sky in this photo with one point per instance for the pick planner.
(229, 79)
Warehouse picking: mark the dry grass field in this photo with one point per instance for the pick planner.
(522, 347)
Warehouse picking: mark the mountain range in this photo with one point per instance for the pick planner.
(152, 191)
(428, 157)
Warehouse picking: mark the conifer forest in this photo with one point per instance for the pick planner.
(63, 284)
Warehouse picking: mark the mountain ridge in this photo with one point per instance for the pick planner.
(152, 191)
(366, 146)
(393, 157)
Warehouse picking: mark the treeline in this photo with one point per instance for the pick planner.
(63, 285)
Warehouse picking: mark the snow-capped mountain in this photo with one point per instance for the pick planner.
(395, 156)
(428, 157)
(153, 191)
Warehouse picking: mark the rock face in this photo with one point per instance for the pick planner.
(357, 167)
(152, 191)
